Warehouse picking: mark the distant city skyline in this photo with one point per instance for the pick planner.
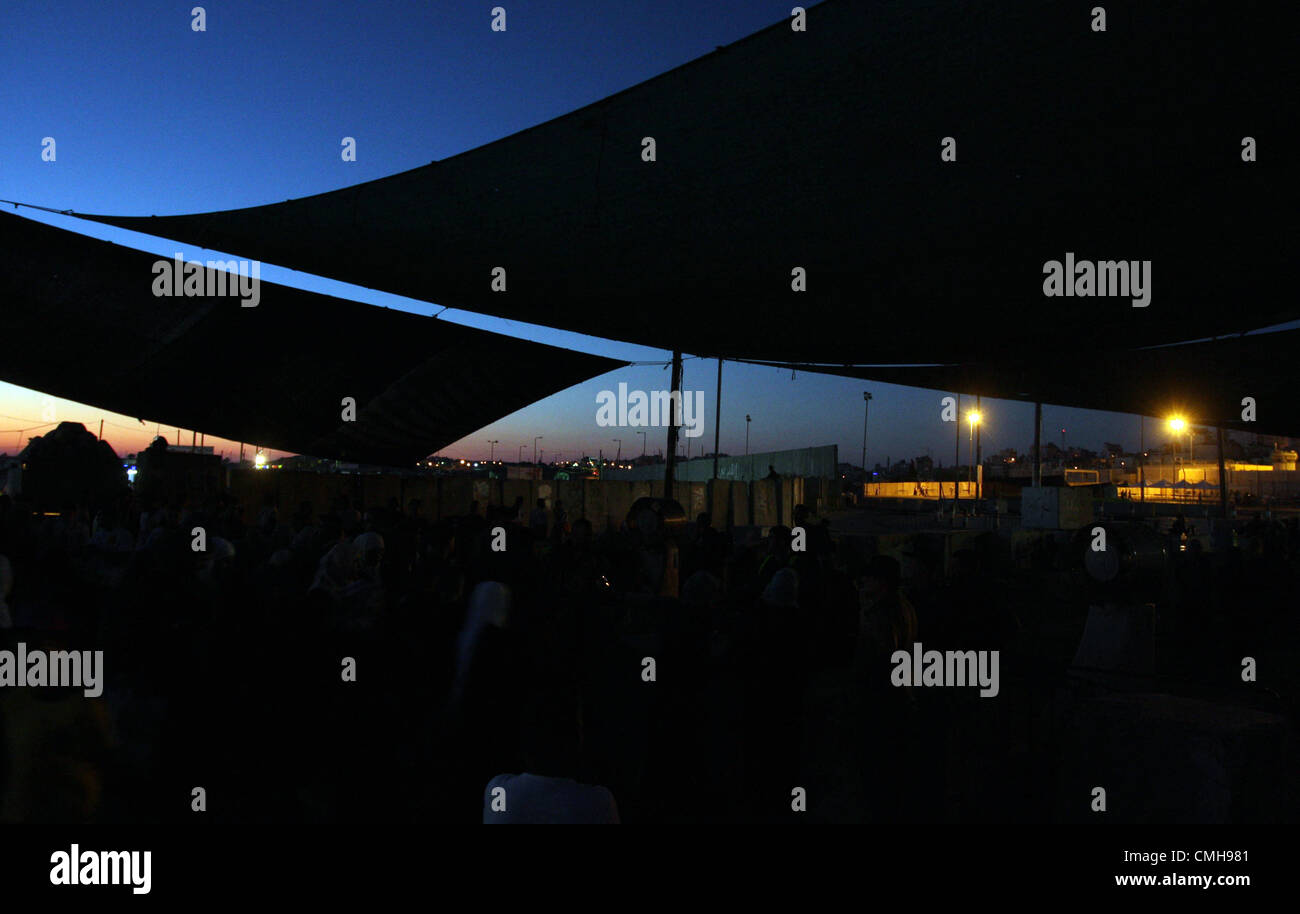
(1005, 424)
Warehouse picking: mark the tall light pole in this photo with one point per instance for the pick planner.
(1038, 446)
(642, 434)
(492, 452)
(866, 405)
(520, 457)
(535, 440)
(619, 456)
(1223, 475)
(1142, 457)
(956, 463)
(1176, 425)
(674, 421)
(717, 422)
(973, 417)
(751, 460)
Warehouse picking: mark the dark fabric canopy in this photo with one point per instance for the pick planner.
(821, 149)
(80, 321)
(1206, 382)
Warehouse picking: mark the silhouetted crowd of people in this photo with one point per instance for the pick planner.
(504, 665)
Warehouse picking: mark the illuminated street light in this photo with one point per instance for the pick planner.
(973, 417)
(260, 460)
(1177, 424)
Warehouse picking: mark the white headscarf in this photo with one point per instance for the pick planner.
(337, 569)
(489, 606)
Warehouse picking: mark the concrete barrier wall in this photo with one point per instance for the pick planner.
(763, 492)
(745, 496)
(454, 495)
(822, 495)
(818, 461)
(763, 503)
(569, 493)
(718, 499)
(618, 501)
(698, 502)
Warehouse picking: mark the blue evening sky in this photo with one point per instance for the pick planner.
(151, 117)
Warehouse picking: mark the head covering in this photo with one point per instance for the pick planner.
(783, 589)
(886, 569)
(701, 589)
(337, 569)
(489, 605)
(369, 542)
(220, 548)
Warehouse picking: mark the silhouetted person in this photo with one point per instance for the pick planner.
(775, 681)
(1179, 526)
(537, 520)
(887, 623)
(561, 520)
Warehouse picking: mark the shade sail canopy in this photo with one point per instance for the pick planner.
(821, 150)
(80, 320)
(1207, 382)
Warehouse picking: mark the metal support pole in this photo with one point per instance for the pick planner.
(674, 388)
(717, 420)
(1223, 476)
(1038, 445)
(866, 408)
(956, 464)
